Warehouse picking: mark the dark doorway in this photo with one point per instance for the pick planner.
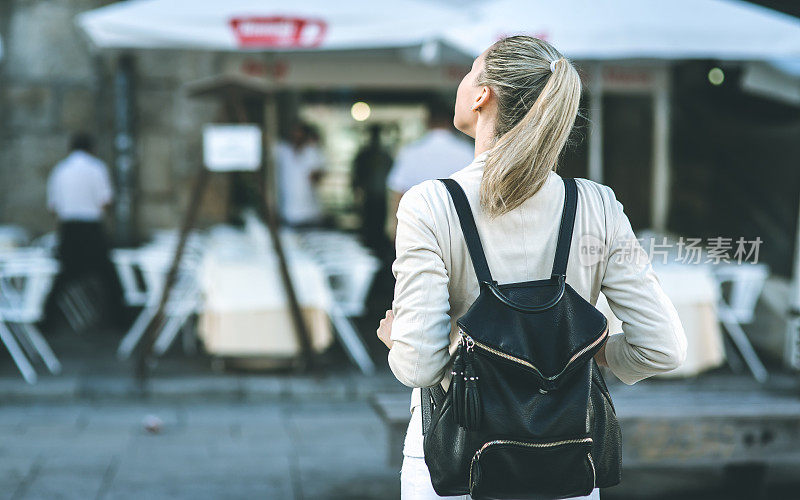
(627, 153)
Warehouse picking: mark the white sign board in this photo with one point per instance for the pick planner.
(230, 148)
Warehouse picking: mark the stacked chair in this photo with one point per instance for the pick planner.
(142, 272)
(26, 276)
(349, 268)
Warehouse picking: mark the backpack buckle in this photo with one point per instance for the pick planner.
(490, 284)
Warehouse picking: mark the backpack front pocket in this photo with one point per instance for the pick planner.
(514, 469)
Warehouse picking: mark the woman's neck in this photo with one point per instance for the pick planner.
(484, 136)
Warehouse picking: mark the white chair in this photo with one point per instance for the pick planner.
(349, 269)
(746, 283)
(153, 262)
(25, 281)
(153, 265)
(183, 302)
(351, 275)
(126, 263)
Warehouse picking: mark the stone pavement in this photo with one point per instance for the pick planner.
(290, 450)
(240, 434)
(243, 450)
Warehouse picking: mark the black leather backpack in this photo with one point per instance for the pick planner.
(527, 414)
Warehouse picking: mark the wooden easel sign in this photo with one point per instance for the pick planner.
(227, 148)
(232, 147)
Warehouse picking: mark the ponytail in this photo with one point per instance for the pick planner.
(537, 108)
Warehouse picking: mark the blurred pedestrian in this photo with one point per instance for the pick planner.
(300, 166)
(370, 169)
(438, 153)
(78, 192)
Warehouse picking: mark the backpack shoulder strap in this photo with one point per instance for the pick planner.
(469, 229)
(567, 225)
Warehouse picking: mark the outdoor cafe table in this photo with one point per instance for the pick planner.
(694, 292)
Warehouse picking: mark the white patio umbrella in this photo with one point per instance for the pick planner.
(265, 24)
(624, 29)
(320, 44)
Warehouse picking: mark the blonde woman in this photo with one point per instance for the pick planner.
(519, 103)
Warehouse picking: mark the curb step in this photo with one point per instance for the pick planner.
(347, 387)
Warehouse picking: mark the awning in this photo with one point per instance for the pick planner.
(266, 24)
(626, 29)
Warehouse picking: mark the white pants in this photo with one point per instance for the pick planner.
(415, 480)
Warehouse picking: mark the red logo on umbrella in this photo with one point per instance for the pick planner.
(278, 32)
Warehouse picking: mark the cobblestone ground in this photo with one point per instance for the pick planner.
(212, 450)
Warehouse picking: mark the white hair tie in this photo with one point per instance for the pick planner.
(553, 65)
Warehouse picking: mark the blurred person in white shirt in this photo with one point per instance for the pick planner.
(440, 152)
(79, 191)
(300, 166)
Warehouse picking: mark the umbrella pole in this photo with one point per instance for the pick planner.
(124, 145)
(660, 188)
(792, 349)
(596, 125)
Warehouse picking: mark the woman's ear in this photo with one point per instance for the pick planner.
(482, 98)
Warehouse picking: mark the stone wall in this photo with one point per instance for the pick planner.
(47, 88)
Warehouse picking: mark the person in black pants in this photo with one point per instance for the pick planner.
(78, 192)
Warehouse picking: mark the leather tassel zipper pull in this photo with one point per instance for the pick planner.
(472, 401)
(457, 387)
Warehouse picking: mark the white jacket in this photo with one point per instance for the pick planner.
(436, 283)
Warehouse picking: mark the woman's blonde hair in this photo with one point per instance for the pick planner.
(538, 92)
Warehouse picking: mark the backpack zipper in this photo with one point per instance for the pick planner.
(548, 444)
(469, 342)
(594, 472)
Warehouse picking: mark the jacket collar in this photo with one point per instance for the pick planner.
(477, 163)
